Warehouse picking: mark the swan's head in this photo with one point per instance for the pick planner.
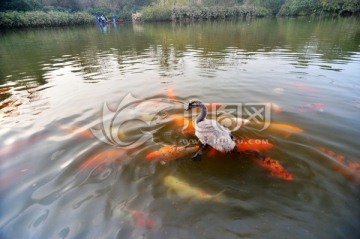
(193, 104)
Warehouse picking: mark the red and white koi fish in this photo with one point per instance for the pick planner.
(276, 108)
(171, 152)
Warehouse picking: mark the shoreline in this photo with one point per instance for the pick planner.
(41, 19)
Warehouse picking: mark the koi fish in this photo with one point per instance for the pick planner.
(232, 122)
(170, 94)
(284, 129)
(110, 155)
(152, 106)
(185, 191)
(278, 91)
(248, 145)
(7, 180)
(79, 131)
(348, 168)
(15, 147)
(4, 90)
(254, 145)
(357, 103)
(171, 152)
(142, 221)
(275, 108)
(186, 124)
(274, 167)
(306, 88)
(313, 107)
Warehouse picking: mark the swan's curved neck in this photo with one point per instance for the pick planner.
(202, 114)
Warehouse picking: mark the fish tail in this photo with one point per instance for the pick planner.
(219, 197)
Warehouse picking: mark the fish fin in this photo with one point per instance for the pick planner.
(219, 197)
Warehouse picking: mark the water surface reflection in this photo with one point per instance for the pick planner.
(59, 181)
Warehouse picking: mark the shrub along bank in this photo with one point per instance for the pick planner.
(16, 19)
(163, 13)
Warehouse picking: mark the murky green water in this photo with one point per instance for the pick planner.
(59, 181)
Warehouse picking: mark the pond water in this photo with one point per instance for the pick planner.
(84, 111)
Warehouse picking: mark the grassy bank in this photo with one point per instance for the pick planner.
(319, 8)
(15, 19)
(161, 13)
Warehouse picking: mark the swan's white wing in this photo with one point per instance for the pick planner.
(212, 133)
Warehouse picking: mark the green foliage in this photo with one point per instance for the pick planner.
(272, 5)
(25, 13)
(156, 13)
(340, 6)
(19, 5)
(300, 7)
(309, 7)
(166, 13)
(42, 19)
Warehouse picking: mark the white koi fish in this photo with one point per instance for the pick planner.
(184, 190)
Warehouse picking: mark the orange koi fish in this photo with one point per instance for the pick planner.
(284, 130)
(109, 156)
(4, 90)
(254, 145)
(186, 124)
(171, 152)
(274, 167)
(81, 132)
(348, 168)
(170, 94)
